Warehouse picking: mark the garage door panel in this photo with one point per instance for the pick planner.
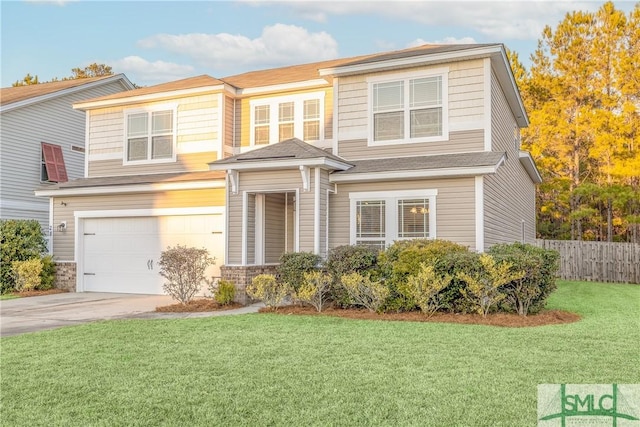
(122, 254)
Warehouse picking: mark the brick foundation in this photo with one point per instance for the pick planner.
(241, 276)
(65, 276)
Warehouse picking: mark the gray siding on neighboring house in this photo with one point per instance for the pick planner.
(63, 241)
(455, 207)
(459, 142)
(23, 129)
(509, 195)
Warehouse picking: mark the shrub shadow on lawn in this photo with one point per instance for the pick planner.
(546, 317)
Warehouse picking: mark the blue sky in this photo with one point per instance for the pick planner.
(158, 41)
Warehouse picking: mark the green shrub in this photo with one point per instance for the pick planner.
(483, 289)
(26, 274)
(268, 289)
(224, 292)
(452, 298)
(349, 259)
(293, 265)
(184, 268)
(314, 289)
(425, 288)
(528, 294)
(48, 275)
(364, 292)
(20, 240)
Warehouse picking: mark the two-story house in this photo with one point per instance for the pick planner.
(417, 143)
(42, 140)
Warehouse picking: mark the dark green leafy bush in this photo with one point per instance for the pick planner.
(20, 240)
(349, 259)
(48, 274)
(293, 265)
(528, 294)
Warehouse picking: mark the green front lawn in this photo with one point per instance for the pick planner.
(270, 369)
(8, 296)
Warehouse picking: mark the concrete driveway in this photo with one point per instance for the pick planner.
(31, 314)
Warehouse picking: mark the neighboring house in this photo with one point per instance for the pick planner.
(418, 143)
(42, 140)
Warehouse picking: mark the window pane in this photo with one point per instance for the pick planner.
(373, 244)
(162, 147)
(425, 92)
(413, 218)
(261, 135)
(388, 96)
(388, 126)
(137, 149)
(285, 131)
(312, 130)
(261, 114)
(286, 112)
(312, 109)
(137, 124)
(370, 219)
(426, 122)
(162, 122)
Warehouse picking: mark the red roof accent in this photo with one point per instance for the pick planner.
(54, 162)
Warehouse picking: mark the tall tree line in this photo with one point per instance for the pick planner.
(92, 70)
(582, 93)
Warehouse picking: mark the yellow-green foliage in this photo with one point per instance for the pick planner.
(225, 291)
(424, 288)
(361, 290)
(266, 288)
(315, 289)
(27, 274)
(483, 288)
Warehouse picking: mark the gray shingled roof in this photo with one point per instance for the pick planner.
(135, 179)
(290, 149)
(443, 161)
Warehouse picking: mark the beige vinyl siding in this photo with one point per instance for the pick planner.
(455, 208)
(241, 115)
(229, 124)
(465, 109)
(324, 186)
(459, 142)
(197, 131)
(234, 229)
(63, 241)
(274, 227)
(251, 226)
(23, 130)
(185, 163)
(509, 195)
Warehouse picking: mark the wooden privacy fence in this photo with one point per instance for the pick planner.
(597, 261)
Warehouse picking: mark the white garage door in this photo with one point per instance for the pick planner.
(122, 254)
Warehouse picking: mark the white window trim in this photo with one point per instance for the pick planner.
(391, 211)
(298, 118)
(149, 110)
(442, 72)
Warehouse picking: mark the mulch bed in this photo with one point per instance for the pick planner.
(38, 293)
(197, 305)
(546, 317)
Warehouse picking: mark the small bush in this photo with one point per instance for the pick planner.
(48, 275)
(293, 265)
(224, 292)
(364, 292)
(268, 289)
(528, 294)
(20, 240)
(314, 289)
(184, 268)
(349, 259)
(425, 288)
(483, 289)
(26, 274)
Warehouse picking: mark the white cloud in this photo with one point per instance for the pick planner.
(143, 72)
(446, 40)
(497, 20)
(278, 44)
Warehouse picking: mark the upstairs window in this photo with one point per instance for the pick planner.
(150, 136)
(52, 168)
(278, 119)
(409, 109)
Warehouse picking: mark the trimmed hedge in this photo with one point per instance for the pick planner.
(20, 240)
